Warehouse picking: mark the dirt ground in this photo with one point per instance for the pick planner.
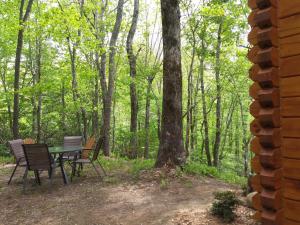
(120, 199)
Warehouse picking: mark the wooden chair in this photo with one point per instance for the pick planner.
(71, 141)
(90, 160)
(90, 144)
(29, 141)
(18, 153)
(38, 159)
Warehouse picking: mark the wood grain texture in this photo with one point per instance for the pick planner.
(271, 179)
(269, 217)
(291, 189)
(255, 182)
(291, 127)
(266, 18)
(289, 46)
(291, 148)
(267, 37)
(290, 86)
(267, 58)
(255, 127)
(271, 158)
(254, 90)
(257, 202)
(252, 36)
(252, 54)
(254, 109)
(288, 8)
(269, 98)
(292, 209)
(269, 117)
(255, 146)
(291, 168)
(270, 138)
(255, 164)
(290, 222)
(290, 66)
(271, 199)
(266, 78)
(251, 18)
(289, 26)
(252, 4)
(290, 107)
(262, 4)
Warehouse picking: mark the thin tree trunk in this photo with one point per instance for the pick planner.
(171, 150)
(189, 102)
(3, 79)
(63, 104)
(147, 117)
(111, 79)
(133, 94)
(204, 110)
(218, 104)
(22, 20)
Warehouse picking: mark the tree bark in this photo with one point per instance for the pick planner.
(16, 107)
(3, 79)
(204, 109)
(147, 117)
(189, 102)
(133, 94)
(171, 150)
(218, 104)
(111, 79)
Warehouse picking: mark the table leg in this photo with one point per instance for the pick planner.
(63, 172)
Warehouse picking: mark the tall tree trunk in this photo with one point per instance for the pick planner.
(111, 79)
(218, 104)
(171, 150)
(204, 110)
(22, 20)
(189, 102)
(133, 94)
(3, 79)
(147, 117)
(95, 119)
(63, 104)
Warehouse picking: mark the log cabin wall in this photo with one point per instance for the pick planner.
(275, 54)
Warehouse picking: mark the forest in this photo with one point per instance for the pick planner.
(96, 67)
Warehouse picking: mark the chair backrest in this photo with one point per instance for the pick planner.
(37, 156)
(89, 146)
(16, 148)
(70, 141)
(29, 141)
(97, 148)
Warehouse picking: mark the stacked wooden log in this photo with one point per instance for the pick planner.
(267, 163)
(289, 41)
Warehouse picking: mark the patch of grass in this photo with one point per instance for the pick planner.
(224, 205)
(196, 168)
(6, 160)
(139, 165)
(111, 164)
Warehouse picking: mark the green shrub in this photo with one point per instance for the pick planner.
(224, 205)
(138, 165)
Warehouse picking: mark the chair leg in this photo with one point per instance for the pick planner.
(96, 170)
(37, 177)
(73, 170)
(25, 179)
(102, 168)
(13, 173)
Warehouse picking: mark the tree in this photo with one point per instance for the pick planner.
(171, 149)
(109, 91)
(22, 20)
(133, 94)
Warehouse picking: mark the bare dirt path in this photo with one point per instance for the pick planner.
(118, 200)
